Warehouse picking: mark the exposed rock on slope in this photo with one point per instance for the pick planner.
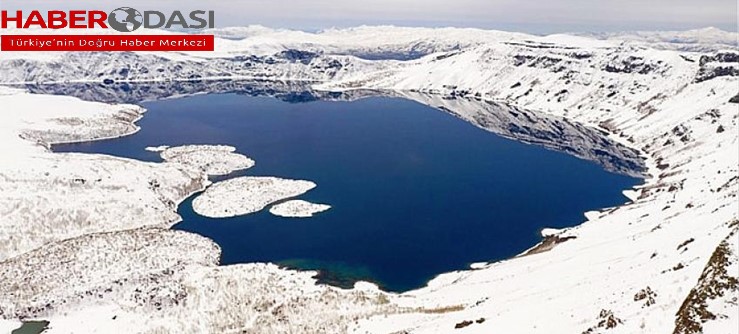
(716, 295)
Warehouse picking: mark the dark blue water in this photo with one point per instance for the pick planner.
(415, 192)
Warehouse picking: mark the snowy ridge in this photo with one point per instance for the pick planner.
(262, 53)
(121, 66)
(368, 42)
(698, 40)
(665, 262)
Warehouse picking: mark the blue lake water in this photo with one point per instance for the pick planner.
(414, 191)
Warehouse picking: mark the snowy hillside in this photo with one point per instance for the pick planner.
(665, 262)
(636, 257)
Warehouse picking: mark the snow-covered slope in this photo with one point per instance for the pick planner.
(660, 102)
(664, 262)
(51, 197)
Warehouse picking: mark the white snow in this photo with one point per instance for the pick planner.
(245, 195)
(708, 39)
(159, 148)
(211, 159)
(47, 197)
(7, 326)
(297, 208)
(545, 232)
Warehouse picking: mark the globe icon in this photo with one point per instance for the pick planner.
(125, 19)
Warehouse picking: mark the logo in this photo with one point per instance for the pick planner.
(125, 19)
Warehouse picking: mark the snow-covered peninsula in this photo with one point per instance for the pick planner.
(245, 195)
(85, 239)
(211, 159)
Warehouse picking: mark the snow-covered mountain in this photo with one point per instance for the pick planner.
(666, 261)
(699, 40)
